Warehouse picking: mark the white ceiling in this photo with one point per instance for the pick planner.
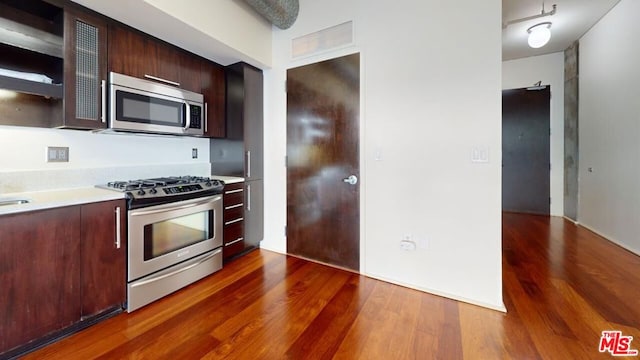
(573, 18)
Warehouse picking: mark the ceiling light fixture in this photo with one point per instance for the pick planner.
(539, 35)
(543, 13)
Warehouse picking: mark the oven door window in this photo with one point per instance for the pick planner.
(149, 110)
(170, 235)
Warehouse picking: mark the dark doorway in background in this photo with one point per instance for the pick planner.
(525, 150)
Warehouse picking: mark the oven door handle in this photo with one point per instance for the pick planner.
(169, 207)
(164, 276)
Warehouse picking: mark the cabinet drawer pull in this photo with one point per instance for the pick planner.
(233, 191)
(249, 197)
(233, 206)
(234, 221)
(248, 164)
(162, 80)
(118, 227)
(234, 241)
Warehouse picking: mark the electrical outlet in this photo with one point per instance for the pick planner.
(57, 154)
(194, 153)
(407, 245)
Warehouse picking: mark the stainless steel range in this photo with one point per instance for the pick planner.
(174, 234)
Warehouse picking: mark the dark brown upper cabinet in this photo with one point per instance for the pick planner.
(126, 51)
(136, 54)
(85, 70)
(213, 89)
(57, 52)
(189, 72)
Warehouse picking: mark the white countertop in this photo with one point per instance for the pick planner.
(228, 179)
(39, 200)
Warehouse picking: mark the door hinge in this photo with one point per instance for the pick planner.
(285, 231)
(286, 161)
(549, 200)
(286, 88)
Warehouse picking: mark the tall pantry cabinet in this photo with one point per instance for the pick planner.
(240, 153)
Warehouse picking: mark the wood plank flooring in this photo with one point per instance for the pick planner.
(563, 286)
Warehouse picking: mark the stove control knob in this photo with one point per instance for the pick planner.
(153, 191)
(141, 192)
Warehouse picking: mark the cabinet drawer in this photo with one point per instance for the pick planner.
(234, 186)
(234, 212)
(233, 197)
(232, 249)
(233, 232)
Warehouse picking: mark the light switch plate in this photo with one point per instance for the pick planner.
(57, 154)
(480, 154)
(194, 153)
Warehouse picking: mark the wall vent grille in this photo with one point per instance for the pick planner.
(331, 38)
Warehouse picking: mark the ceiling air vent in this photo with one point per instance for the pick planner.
(324, 40)
(281, 13)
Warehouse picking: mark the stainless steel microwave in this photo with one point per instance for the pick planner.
(140, 105)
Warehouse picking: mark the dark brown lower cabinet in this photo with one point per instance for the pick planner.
(39, 274)
(59, 270)
(233, 218)
(103, 247)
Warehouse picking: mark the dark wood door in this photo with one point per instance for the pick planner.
(85, 62)
(140, 55)
(103, 257)
(126, 51)
(190, 72)
(163, 60)
(323, 212)
(39, 273)
(213, 89)
(525, 150)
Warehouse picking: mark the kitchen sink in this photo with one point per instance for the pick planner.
(13, 201)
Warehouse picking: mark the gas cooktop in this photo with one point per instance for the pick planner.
(147, 192)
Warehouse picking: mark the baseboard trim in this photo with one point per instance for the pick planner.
(500, 308)
(616, 242)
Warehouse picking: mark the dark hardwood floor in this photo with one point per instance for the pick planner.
(563, 286)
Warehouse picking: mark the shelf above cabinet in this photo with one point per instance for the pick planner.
(23, 36)
(31, 87)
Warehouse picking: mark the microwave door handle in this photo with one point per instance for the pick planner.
(187, 120)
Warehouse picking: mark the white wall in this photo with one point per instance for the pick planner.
(221, 30)
(549, 69)
(426, 102)
(609, 127)
(93, 158)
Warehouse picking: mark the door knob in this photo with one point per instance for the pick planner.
(352, 179)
